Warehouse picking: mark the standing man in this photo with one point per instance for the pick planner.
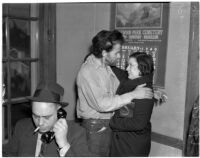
(97, 86)
(30, 137)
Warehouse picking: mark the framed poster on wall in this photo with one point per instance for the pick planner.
(145, 28)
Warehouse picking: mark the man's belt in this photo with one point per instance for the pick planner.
(97, 121)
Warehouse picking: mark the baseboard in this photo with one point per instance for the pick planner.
(167, 140)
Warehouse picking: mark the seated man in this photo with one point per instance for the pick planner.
(30, 136)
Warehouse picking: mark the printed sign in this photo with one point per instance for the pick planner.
(145, 28)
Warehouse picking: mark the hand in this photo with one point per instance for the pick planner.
(61, 129)
(142, 92)
(160, 96)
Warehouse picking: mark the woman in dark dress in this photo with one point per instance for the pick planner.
(131, 124)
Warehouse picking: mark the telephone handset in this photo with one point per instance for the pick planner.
(47, 137)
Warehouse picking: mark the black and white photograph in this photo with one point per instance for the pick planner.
(100, 79)
(138, 15)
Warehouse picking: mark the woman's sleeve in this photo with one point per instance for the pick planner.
(141, 117)
(121, 74)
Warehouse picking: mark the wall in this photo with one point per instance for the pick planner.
(170, 116)
(78, 23)
(168, 119)
(193, 70)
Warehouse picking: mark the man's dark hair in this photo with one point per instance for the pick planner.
(104, 40)
(145, 62)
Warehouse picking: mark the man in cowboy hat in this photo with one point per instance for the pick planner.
(67, 139)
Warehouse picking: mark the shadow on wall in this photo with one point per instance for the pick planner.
(78, 120)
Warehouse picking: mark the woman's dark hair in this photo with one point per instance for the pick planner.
(145, 62)
(104, 40)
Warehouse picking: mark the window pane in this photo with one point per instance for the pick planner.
(4, 39)
(18, 111)
(5, 79)
(4, 123)
(19, 38)
(18, 10)
(20, 79)
(22, 43)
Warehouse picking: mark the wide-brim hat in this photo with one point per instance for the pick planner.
(48, 92)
